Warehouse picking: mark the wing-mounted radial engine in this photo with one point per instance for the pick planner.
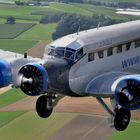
(127, 92)
(127, 96)
(5, 73)
(34, 79)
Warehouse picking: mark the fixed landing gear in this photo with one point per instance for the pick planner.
(121, 119)
(42, 106)
(45, 104)
(121, 116)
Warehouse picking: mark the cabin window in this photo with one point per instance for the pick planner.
(119, 49)
(128, 45)
(137, 43)
(109, 51)
(91, 57)
(100, 54)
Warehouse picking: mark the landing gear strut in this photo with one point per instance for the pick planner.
(121, 115)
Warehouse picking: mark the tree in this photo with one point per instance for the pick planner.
(11, 20)
(71, 23)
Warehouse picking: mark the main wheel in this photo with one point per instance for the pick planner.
(122, 119)
(41, 107)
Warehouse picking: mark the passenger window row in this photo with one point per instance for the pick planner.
(113, 50)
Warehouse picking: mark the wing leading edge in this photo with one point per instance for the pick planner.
(102, 85)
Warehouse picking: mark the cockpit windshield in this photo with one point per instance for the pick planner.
(66, 53)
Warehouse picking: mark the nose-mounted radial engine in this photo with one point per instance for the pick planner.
(34, 81)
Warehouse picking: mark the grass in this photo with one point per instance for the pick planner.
(107, 11)
(39, 32)
(18, 46)
(109, 1)
(3, 21)
(10, 31)
(21, 12)
(10, 97)
(69, 8)
(29, 126)
(28, 12)
(6, 117)
(131, 133)
(33, 12)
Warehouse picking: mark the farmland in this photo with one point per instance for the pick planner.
(107, 11)
(132, 133)
(29, 126)
(19, 46)
(39, 32)
(6, 117)
(10, 97)
(118, 1)
(10, 31)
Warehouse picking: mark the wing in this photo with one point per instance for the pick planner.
(124, 87)
(7, 55)
(10, 64)
(101, 85)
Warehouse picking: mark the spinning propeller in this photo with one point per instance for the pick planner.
(128, 93)
(34, 79)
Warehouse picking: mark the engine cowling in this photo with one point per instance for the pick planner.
(34, 79)
(5, 73)
(127, 92)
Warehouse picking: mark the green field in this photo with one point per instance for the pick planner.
(107, 11)
(19, 46)
(10, 31)
(28, 12)
(33, 12)
(39, 32)
(11, 96)
(6, 117)
(21, 12)
(70, 8)
(116, 1)
(30, 127)
(131, 133)
(3, 21)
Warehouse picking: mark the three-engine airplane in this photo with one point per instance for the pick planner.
(102, 62)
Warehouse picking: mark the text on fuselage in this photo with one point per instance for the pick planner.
(131, 62)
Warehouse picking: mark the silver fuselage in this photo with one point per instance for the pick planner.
(72, 78)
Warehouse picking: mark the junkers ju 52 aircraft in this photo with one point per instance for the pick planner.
(102, 62)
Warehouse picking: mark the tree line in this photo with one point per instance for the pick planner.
(71, 23)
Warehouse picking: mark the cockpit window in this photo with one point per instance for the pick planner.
(66, 53)
(79, 54)
(51, 51)
(56, 52)
(69, 54)
(59, 52)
